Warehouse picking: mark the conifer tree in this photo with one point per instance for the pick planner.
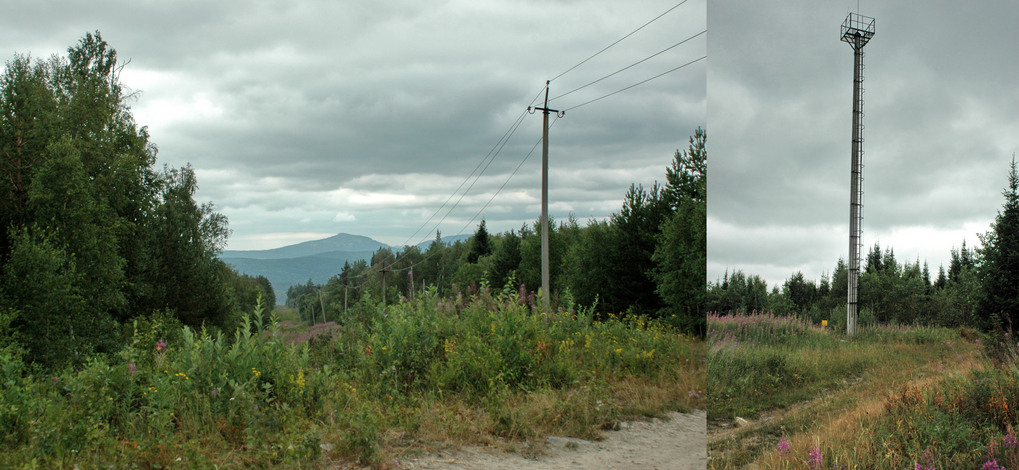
(999, 270)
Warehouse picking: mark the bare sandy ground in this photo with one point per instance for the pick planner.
(677, 442)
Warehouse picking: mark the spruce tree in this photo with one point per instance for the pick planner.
(999, 271)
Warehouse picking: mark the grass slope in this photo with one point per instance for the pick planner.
(815, 399)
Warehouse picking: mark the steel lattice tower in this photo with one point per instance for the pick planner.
(857, 31)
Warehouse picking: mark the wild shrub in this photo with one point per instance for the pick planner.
(251, 399)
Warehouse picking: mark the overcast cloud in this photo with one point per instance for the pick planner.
(942, 114)
(307, 118)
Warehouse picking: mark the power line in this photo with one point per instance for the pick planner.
(632, 65)
(507, 180)
(619, 40)
(638, 83)
(497, 148)
(464, 194)
(489, 158)
(498, 145)
(479, 212)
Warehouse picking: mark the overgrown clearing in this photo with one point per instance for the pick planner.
(894, 397)
(414, 377)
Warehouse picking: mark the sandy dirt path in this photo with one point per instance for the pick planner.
(677, 442)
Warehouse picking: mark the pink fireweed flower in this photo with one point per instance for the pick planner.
(783, 447)
(992, 465)
(160, 346)
(214, 392)
(815, 460)
(132, 368)
(1011, 441)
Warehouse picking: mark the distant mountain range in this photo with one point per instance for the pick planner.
(317, 260)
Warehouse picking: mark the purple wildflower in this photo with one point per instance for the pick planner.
(214, 392)
(927, 456)
(132, 368)
(815, 460)
(992, 465)
(1011, 441)
(160, 346)
(55, 380)
(783, 447)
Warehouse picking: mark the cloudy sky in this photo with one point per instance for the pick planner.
(942, 114)
(307, 118)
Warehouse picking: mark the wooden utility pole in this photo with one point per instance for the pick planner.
(321, 304)
(410, 292)
(545, 287)
(384, 271)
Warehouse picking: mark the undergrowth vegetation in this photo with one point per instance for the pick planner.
(968, 422)
(792, 359)
(893, 397)
(451, 370)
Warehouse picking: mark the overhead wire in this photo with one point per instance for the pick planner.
(479, 212)
(631, 65)
(620, 40)
(489, 158)
(497, 148)
(498, 145)
(637, 84)
(462, 229)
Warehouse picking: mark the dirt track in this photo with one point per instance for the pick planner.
(678, 442)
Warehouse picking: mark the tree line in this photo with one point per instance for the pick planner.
(92, 235)
(979, 289)
(648, 258)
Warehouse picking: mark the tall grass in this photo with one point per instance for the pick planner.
(452, 370)
(761, 361)
(843, 416)
(968, 422)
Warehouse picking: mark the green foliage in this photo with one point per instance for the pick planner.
(41, 281)
(191, 236)
(999, 272)
(79, 195)
(965, 422)
(890, 293)
(250, 399)
(648, 259)
(793, 360)
(480, 245)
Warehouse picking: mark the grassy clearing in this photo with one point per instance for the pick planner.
(438, 372)
(808, 391)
